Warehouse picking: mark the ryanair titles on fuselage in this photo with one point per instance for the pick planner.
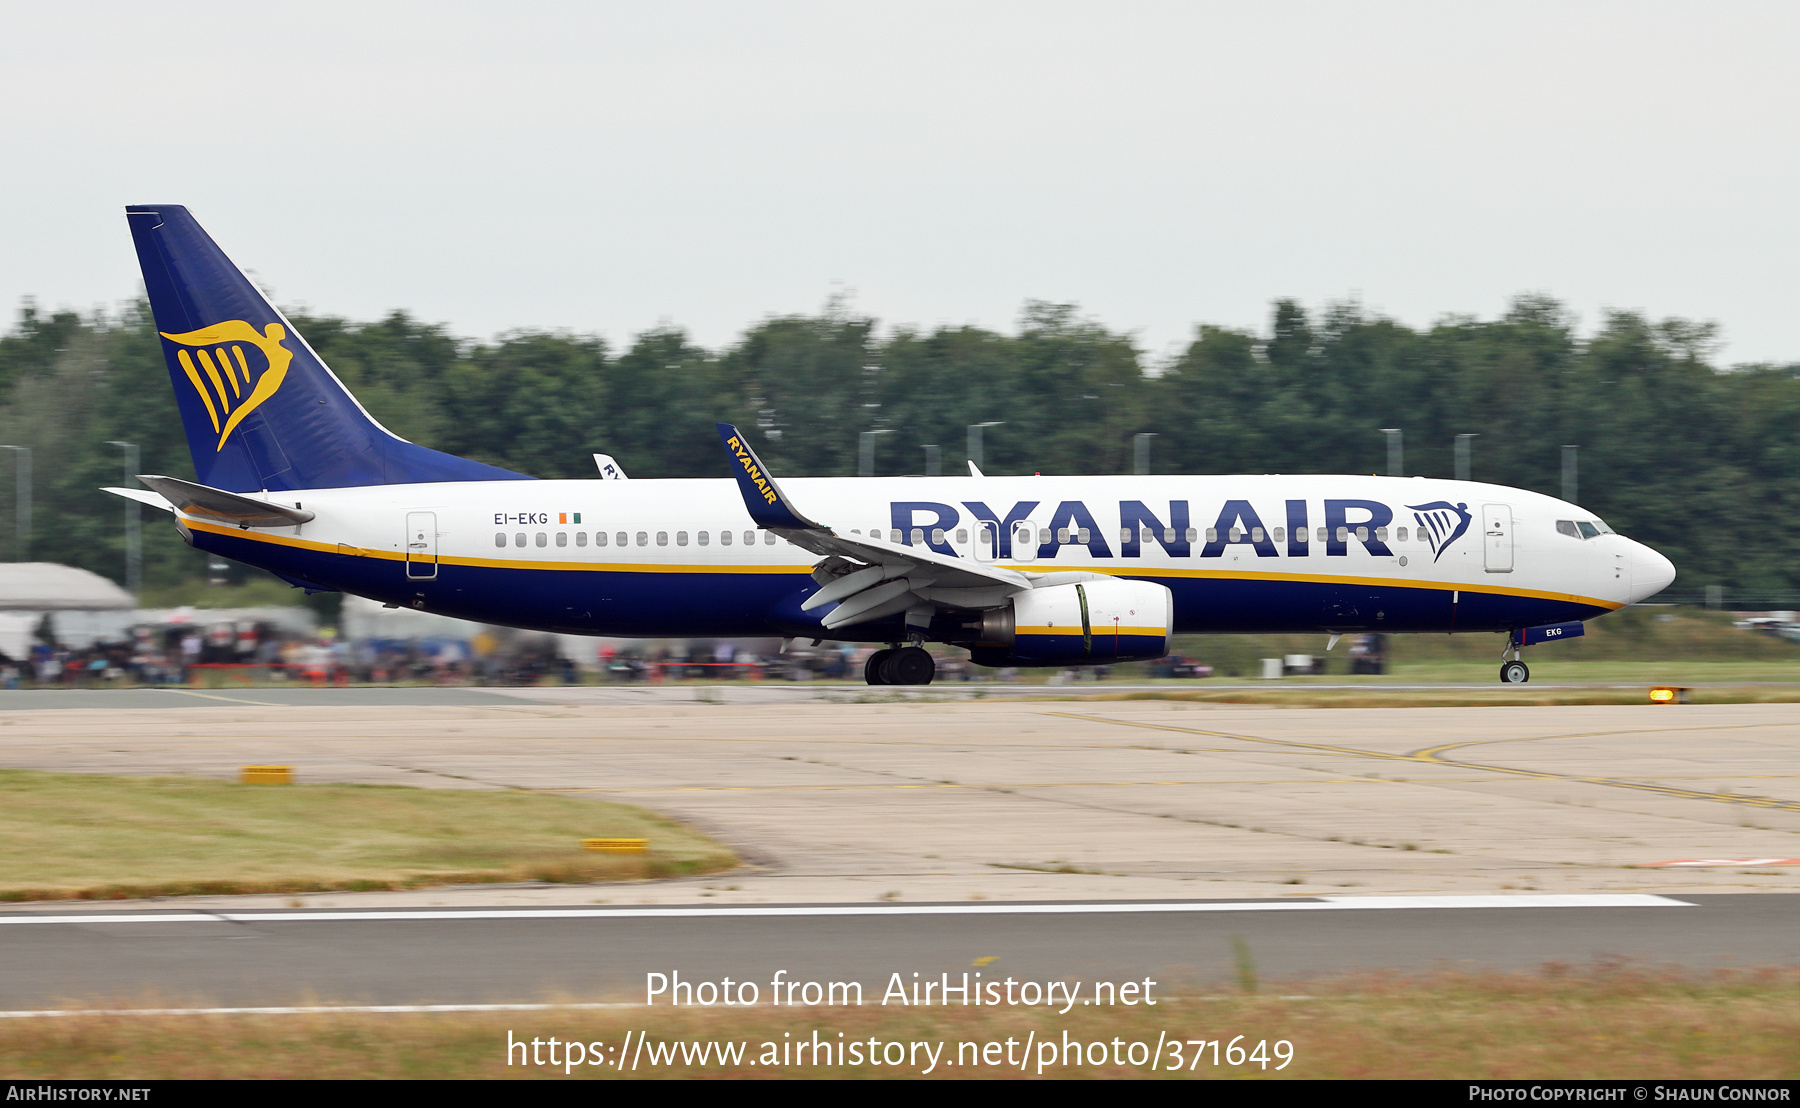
(1295, 528)
(1238, 523)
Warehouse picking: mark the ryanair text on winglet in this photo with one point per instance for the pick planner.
(744, 459)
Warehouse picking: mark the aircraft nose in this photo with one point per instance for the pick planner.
(1651, 573)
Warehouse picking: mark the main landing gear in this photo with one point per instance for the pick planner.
(908, 665)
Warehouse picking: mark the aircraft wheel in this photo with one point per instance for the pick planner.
(872, 669)
(1515, 673)
(910, 666)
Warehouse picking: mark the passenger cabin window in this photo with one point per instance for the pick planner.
(681, 538)
(1567, 527)
(1381, 534)
(543, 539)
(1256, 534)
(581, 538)
(1192, 535)
(1212, 534)
(1086, 536)
(724, 538)
(643, 538)
(749, 538)
(500, 539)
(562, 538)
(937, 536)
(769, 538)
(702, 538)
(1322, 535)
(962, 535)
(1280, 534)
(599, 538)
(519, 539)
(662, 538)
(1400, 534)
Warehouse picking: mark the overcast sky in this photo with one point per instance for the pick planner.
(609, 167)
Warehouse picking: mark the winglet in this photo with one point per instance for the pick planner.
(768, 506)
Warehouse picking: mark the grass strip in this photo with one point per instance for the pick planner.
(1604, 1024)
(89, 836)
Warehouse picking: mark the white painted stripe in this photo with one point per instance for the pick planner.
(1322, 904)
(398, 1009)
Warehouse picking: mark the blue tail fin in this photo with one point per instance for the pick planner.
(261, 410)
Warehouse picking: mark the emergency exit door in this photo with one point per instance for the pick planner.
(421, 545)
(1497, 537)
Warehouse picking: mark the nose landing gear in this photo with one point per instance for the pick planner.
(1513, 671)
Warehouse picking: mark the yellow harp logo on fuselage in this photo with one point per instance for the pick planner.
(236, 388)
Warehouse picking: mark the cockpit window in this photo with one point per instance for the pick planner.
(1603, 528)
(1588, 530)
(1567, 527)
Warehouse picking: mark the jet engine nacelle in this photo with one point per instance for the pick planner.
(1092, 623)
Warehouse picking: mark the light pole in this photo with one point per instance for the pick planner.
(134, 539)
(934, 461)
(1462, 456)
(23, 536)
(975, 458)
(1396, 451)
(865, 463)
(1570, 484)
(1140, 451)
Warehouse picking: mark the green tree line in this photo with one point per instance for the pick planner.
(1696, 459)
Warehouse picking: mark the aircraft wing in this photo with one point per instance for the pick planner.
(870, 578)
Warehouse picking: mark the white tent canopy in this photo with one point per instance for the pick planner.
(84, 608)
(48, 587)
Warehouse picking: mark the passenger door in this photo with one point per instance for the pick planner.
(421, 546)
(1497, 537)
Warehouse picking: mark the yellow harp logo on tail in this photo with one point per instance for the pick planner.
(236, 388)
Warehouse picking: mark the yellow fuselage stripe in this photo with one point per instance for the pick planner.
(662, 567)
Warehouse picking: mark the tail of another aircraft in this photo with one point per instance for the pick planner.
(261, 410)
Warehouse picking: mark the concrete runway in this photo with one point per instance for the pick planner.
(179, 958)
(974, 803)
(1047, 800)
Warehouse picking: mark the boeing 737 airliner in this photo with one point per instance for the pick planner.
(295, 477)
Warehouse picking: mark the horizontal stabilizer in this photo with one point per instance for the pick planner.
(142, 496)
(225, 507)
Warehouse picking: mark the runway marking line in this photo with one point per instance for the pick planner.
(1429, 756)
(1318, 904)
(1729, 862)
